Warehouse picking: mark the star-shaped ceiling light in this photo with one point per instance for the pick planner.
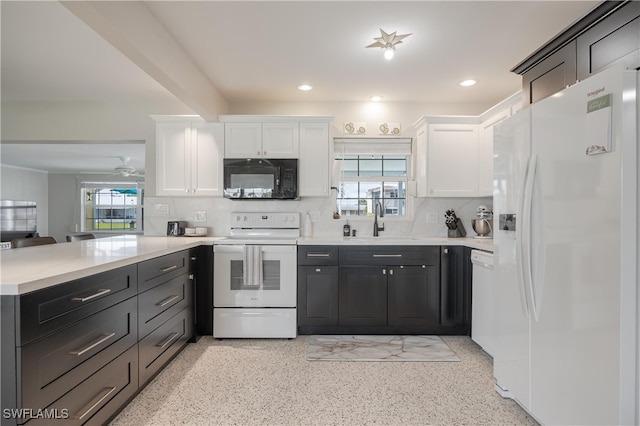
(388, 42)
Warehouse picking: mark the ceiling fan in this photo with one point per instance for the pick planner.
(126, 170)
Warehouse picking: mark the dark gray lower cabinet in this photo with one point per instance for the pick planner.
(99, 396)
(455, 285)
(363, 296)
(377, 290)
(317, 295)
(78, 351)
(413, 296)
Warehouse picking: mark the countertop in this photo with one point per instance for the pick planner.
(485, 244)
(29, 269)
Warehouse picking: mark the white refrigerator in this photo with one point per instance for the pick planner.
(566, 254)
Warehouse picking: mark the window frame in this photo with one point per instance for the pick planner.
(343, 155)
(111, 185)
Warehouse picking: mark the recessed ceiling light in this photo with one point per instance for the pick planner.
(376, 98)
(305, 87)
(467, 83)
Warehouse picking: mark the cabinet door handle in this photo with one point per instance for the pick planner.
(387, 255)
(170, 268)
(167, 300)
(98, 342)
(390, 271)
(191, 276)
(384, 272)
(91, 407)
(318, 254)
(100, 292)
(194, 258)
(168, 340)
(446, 251)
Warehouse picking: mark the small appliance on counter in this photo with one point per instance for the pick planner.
(455, 228)
(483, 223)
(176, 228)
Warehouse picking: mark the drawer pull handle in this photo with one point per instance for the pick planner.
(167, 300)
(318, 255)
(98, 342)
(387, 255)
(170, 268)
(100, 292)
(168, 340)
(107, 392)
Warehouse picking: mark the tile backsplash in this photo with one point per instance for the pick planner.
(213, 213)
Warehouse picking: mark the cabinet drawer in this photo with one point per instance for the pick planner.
(45, 311)
(159, 347)
(389, 255)
(157, 305)
(98, 398)
(55, 364)
(317, 255)
(156, 271)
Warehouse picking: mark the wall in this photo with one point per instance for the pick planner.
(27, 185)
(107, 121)
(372, 113)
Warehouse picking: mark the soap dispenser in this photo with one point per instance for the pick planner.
(307, 229)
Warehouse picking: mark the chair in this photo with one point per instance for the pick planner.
(80, 237)
(35, 241)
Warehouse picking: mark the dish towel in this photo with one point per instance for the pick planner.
(252, 266)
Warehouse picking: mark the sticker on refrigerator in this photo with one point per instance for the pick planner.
(599, 130)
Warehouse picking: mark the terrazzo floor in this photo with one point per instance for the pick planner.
(270, 382)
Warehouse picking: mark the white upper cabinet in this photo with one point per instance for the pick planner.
(454, 154)
(315, 160)
(262, 140)
(452, 160)
(189, 158)
(280, 140)
(304, 138)
(243, 140)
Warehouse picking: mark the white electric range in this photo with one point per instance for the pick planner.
(255, 277)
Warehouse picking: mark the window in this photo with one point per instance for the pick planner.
(112, 207)
(367, 179)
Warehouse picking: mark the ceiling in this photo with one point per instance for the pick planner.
(261, 51)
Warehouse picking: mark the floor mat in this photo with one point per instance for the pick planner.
(378, 348)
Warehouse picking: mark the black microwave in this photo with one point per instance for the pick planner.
(261, 179)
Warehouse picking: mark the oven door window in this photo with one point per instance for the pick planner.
(271, 276)
(270, 282)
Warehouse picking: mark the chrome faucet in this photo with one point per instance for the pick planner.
(377, 228)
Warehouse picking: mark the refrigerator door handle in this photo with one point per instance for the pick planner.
(526, 234)
(520, 257)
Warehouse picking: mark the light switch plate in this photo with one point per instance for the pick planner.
(432, 217)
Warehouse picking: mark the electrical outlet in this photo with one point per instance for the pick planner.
(161, 209)
(200, 216)
(314, 215)
(432, 217)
